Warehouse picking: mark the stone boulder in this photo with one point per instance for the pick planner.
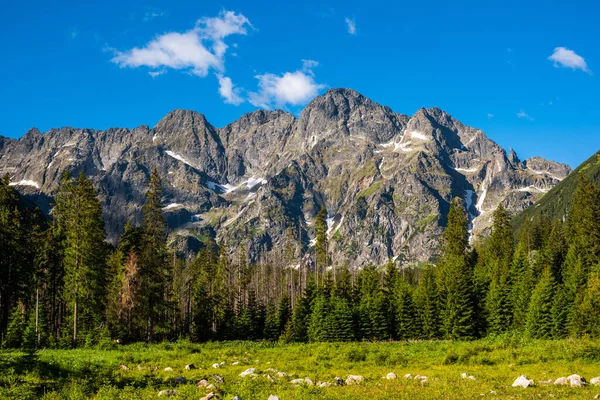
(190, 367)
(561, 381)
(168, 393)
(354, 379)
(249, 371)
(523, 381)
(391, 375)
(595, 381)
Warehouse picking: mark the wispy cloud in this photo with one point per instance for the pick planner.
(150, 15)
(490, 116)
(154, 74)
(228, 91)
(566, 58)
(73, 33)
(197, 50)
(290, 88)
(351, 23)
(523, 114)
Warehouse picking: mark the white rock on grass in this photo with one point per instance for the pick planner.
(337, 381)
(561, 381)
(235, 363)
(202, 383)
(190, 367)
(391, 375)
(236, 398)
(124, 368)
(305, 381)
(523, 382)
(247, 372)
(168, 369)
(168, 393)
(576, 380)
(216, 365)
(273, 397)
(354, 379)
(281, 374)
(408, 376)
(323, 384)
(471, 377)
(464, 375)
(211, 387)
(595, 381)
(208, 396)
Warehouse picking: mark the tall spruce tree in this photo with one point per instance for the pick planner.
(154, 272)
(539, 318)
(426, 303)
(455, 277)
(80, 214)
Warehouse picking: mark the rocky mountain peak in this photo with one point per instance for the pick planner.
(386, 179)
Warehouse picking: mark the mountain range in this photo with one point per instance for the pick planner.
(385, 179)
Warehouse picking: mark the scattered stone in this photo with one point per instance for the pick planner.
(305, 381)
(471, 377)
(168, 393)
(464, 375)
(577, 380)
(424, 381)
(153, 369)
(180, 380)
(391, 375)
(493, 392)
(202, 383)
(271, 370)
(561, 381)
(420, 377)
(408, 376)
(124, 368)
(236, 398)
(323, 384)
(354, 379)
(523, 382)
(208, 396)
(308, 382)
(190, 366)
(247, 372)
(595, 381)
(211, 387)
(141, 368)
(216, 365)
(235, 363)
(168, 369)
(222, 362)
(597, 396)
(273, 397)
(338, 381)
(219, 379)
(281, 374)
(270, 378)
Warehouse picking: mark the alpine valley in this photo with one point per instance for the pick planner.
(385, 179)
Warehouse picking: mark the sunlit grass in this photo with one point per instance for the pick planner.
(495, 363)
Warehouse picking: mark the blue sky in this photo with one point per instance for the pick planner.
(525, 72)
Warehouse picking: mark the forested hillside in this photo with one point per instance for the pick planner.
(63, 286)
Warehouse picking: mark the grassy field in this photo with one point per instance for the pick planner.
(495, 363)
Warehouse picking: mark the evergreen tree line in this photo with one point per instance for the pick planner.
(62, 285)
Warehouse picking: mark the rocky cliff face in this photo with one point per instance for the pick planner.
(386, 179)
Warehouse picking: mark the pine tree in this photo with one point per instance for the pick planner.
(455, 277)
(339, 322)
(586, 320)
(272, 326)
(390, 282)
(407, 325)
(80, 214)
(16, 327)
(317, 331)
(539, 317)
(426, 302)
(321, 246)
(499, 254)
(153, 258)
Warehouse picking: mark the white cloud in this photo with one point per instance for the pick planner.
(523, 114)
(351, 25)
(150, 15)
(228, 91)
(293, 88)
(197, 50)
(73, 33)
(154, 74)
(566, 58)
(490, 116)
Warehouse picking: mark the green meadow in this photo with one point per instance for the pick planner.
(494, 363)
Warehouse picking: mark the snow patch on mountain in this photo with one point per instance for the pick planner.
(25, 182)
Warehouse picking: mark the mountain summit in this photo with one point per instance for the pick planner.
(386, 179)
